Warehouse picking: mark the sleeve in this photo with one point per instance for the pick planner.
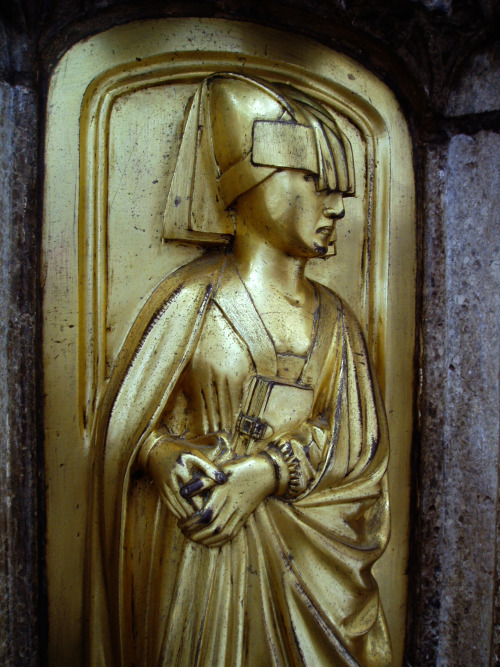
(345, 443)
(158, 346)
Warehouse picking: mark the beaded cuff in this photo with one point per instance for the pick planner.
(293, 464)
(284, 456)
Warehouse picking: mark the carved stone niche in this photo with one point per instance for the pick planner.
(117, 113)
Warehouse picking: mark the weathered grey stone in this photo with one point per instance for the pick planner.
(489, 8)
(442, 5)
(18, 424)
(423, 632)
(460, 419)
(472, 221)
(478, 88)
(495, 648)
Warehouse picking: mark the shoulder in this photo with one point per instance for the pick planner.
(344, 310)
(196, 278)
(332, 300)
(203, 270)
(182, 295)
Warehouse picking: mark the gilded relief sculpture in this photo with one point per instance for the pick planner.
(239, 495)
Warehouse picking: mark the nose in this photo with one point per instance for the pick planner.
(334, 206)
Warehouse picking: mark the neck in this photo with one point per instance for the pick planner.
(262, 266)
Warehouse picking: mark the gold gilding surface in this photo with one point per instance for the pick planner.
(227, 220)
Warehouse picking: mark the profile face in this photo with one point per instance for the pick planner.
(291, 214)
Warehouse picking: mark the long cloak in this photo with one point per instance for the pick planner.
(294, 587)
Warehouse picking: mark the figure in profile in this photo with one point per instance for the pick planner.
(239, 493)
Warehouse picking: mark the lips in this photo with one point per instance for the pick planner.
(326, 231)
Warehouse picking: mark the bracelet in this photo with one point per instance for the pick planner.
(293, 464)
(284, 456)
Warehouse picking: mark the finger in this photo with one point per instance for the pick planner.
(196, 486)
(181, 509)
(197, 502)
(204, 518)
(173, 484)
(225, 535)
(171, 506)
(215, 528)
(223, 538)
(198, 520)
(182, 472)
(206, 466)
(217, 541)
(217, 538)
(187, 507)
(184, 508)
(214, 531)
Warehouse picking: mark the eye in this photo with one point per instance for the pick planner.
(311, 177)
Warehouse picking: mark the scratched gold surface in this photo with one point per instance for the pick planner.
(117, 105)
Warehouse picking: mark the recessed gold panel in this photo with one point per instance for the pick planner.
(115, 118)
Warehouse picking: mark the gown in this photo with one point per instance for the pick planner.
(294, 586)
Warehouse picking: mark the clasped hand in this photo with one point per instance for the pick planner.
(240, 486)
